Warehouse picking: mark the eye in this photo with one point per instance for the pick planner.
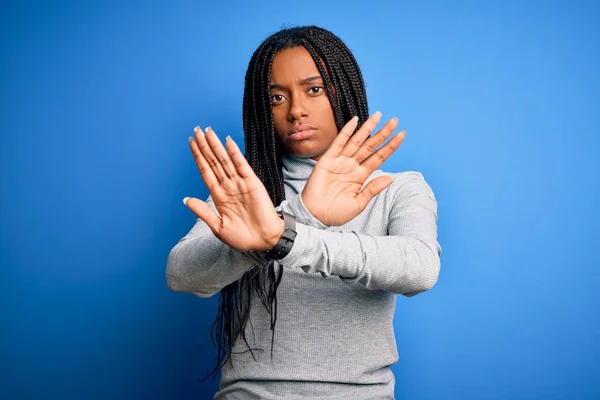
(316, 89)
(277, 98)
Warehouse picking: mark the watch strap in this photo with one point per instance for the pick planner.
(284, 246)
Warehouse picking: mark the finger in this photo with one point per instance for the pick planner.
(208, 154)
(372, 143)
(357, 139)
(205, 170)
(239, 161)
(342, 137)
(220, 153)
(204, 212)
(372, 189)
(378, 158)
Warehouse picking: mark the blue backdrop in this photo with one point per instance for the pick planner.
(500, 101)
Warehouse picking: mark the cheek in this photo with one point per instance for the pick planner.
(328, 118)
(326, 110)
(279, 120)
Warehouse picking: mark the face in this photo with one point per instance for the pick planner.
(302, 113)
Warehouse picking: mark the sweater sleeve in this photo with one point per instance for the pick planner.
(405, 261)
(295, 206)
(200, 263)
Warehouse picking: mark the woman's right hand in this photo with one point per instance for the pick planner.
(248, 220)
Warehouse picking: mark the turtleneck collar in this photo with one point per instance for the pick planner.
(296, 169)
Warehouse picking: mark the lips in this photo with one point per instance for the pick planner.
(302, 132)
(302, 135)
(301, 128)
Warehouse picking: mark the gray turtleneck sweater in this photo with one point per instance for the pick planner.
(334, 337)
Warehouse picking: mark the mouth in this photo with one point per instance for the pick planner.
(301, 132)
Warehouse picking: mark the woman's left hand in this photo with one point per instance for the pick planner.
(333, 192)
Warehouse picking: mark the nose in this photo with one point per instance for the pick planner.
(297, 109)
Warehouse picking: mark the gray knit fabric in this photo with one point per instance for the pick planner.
(334, 337)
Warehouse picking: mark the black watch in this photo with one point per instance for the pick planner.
(283, 247)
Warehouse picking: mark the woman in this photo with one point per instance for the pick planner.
(306, 240)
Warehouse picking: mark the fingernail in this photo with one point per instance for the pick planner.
(355, 118)
(190, 138)
(208, 128)
(378, 112)
(228, 138)
(196, 129)
(185, 199)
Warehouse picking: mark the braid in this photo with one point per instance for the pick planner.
(327, 78)
(346, 92)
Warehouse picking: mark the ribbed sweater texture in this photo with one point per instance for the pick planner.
(334, 335)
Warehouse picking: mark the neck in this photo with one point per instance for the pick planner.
(296, 168)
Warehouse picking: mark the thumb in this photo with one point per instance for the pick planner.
(372, 189)
(204, 212)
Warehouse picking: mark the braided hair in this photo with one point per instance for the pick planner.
(346, 91)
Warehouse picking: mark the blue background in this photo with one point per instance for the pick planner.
(501, 104)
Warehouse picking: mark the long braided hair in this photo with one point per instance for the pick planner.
(346, 91)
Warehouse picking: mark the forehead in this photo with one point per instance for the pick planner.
(292, 64)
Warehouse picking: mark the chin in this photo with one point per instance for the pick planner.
(305, 153)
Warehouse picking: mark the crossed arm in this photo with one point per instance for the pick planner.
(238, 221)
(406, 261)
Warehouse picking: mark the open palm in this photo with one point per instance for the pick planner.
(333, 192)
(247, 219)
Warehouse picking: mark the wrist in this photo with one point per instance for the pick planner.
(286, 239)
(307, 215)
(273, 240)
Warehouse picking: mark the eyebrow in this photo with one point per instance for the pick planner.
(304, 81)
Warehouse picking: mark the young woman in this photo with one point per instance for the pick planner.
(306, 240)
